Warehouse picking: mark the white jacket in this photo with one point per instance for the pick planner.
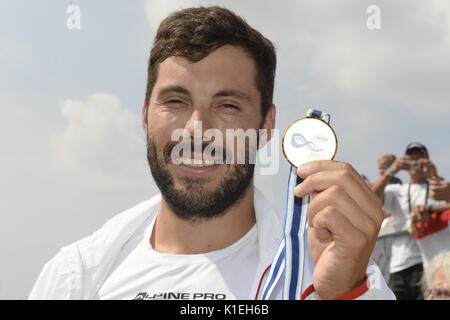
(79, 270)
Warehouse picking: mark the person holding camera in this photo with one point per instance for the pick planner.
(406, 264)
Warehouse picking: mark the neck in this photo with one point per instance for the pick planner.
(178, 236)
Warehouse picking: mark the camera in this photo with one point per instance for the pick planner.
(414, 164)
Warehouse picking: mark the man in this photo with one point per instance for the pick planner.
(210, 234)
(436, 278)
(406, 259)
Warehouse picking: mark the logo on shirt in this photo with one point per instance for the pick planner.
(180, 296)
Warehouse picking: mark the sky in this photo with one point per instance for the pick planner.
(72, 152)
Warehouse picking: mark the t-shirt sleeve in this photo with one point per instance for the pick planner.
(48, 285)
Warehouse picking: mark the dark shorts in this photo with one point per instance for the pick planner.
(406, 283)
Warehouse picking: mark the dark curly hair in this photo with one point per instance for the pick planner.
(194, 33)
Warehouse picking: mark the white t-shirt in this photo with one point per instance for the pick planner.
(143, 273)
(405, 252)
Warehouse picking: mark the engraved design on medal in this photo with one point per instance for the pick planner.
(308, 139)
(299, 141)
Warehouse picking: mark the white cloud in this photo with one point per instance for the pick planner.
(60, 187)
(404, 64)
(101, 145)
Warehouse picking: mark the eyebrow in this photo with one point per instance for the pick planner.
(175, 89)
(223, 93)
(232, 93)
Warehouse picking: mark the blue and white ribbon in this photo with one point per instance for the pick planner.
(289, 259)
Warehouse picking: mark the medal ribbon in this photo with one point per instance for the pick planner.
(289, 259)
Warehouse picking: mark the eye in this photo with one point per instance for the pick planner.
(174, 101)
(230, 106)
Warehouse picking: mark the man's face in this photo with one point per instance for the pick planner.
(416, 171)
(439, 286)
(219, 91)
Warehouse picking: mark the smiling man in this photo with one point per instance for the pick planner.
(211, 234)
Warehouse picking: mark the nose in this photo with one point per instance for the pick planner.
(198, 122)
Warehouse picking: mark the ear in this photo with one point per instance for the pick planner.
(144, 116)
(268, 126)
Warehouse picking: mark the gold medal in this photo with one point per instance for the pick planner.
(308, 139)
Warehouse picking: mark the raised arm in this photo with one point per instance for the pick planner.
(379, 185)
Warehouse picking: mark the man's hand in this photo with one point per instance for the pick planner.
(344, 217)
(428, 168)
(440, 189)
(419, 214)
(400, 164)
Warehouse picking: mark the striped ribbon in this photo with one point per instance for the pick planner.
(289, 259)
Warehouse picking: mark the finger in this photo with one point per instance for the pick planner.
(435, 180)
(320, 181)
(434, 186)
(326, 165)
(437, 186)
(339, 229)
(337, 197)
(346, 169)
(424, 161)
(433, 183)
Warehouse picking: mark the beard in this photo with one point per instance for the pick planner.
(192, 201)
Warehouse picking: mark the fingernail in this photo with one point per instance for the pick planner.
(303, 170)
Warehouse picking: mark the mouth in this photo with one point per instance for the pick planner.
(195, 165)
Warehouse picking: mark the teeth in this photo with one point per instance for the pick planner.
(197, 163)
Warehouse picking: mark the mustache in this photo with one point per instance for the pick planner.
(211, 149)
(216, 151)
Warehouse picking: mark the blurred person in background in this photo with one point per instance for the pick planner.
(429, 226)
(406, 265)
(436, 278)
